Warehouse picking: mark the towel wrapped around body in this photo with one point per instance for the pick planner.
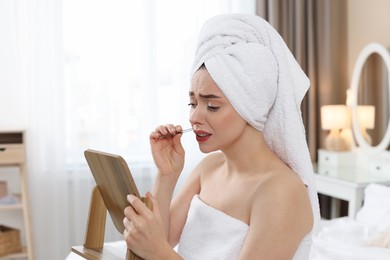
(212, 234)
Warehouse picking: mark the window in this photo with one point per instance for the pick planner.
(127, 68)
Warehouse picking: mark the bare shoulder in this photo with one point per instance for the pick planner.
(285, 192)
(281, 183)
(216, 157)
(211, 162)
(280, 204)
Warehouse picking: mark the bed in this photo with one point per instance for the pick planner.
(366, 237)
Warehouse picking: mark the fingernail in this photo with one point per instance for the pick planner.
(130, 198)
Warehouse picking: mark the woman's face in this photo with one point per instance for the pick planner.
(216, 123)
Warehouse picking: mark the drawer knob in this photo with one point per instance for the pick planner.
(2, 149)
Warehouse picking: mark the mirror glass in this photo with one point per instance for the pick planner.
(374, 91)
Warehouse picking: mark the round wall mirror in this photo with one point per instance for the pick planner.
(372, 48)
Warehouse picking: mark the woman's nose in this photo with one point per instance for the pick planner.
(196, 116)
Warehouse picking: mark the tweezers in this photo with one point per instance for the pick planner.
(181, 132)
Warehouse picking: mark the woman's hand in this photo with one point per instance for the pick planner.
(167, 150)
(144, 230)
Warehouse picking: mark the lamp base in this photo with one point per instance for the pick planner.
(335, 142)
(347, 135)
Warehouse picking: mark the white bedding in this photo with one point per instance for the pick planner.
(347, 238)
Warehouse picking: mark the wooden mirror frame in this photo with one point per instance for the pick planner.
(361, 60)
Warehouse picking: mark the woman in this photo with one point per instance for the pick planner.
(254, 198)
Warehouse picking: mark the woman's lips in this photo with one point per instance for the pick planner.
(202, 136)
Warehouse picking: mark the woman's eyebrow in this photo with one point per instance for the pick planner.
(205, 96)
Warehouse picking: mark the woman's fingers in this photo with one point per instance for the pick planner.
(134, 214)
(177, 145)
(138, 205)
(144, 230)
(155, 208)
(165, 131)
(135, 217)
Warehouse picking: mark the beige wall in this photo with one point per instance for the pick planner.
(368, 21)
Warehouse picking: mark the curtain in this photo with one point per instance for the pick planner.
(38, 55)
(315, 31)
(95, 74)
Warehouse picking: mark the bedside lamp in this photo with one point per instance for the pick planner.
(366, 119)
(334, 118)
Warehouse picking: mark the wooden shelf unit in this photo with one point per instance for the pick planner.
(12, 154)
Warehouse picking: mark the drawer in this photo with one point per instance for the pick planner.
(328, 171)
(379, 167)
(11, 154)
(335, 159)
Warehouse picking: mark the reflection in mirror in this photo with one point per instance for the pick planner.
(374, 90)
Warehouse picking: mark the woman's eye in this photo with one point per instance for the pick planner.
(212, 108)
(192, 105)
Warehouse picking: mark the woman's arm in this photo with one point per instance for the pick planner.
(168, 155)
(181, 204)
(147, 232)
(174, 214)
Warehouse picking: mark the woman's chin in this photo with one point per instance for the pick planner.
(205, 149)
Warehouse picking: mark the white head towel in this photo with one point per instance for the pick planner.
(253, 67)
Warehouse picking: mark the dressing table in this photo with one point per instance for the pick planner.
(347, 184)
(345, 175)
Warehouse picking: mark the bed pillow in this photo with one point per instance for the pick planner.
(376, 208)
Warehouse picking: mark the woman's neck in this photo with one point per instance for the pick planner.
(249, 154)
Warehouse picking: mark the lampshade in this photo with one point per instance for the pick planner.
(334, 117)
(366, 116)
